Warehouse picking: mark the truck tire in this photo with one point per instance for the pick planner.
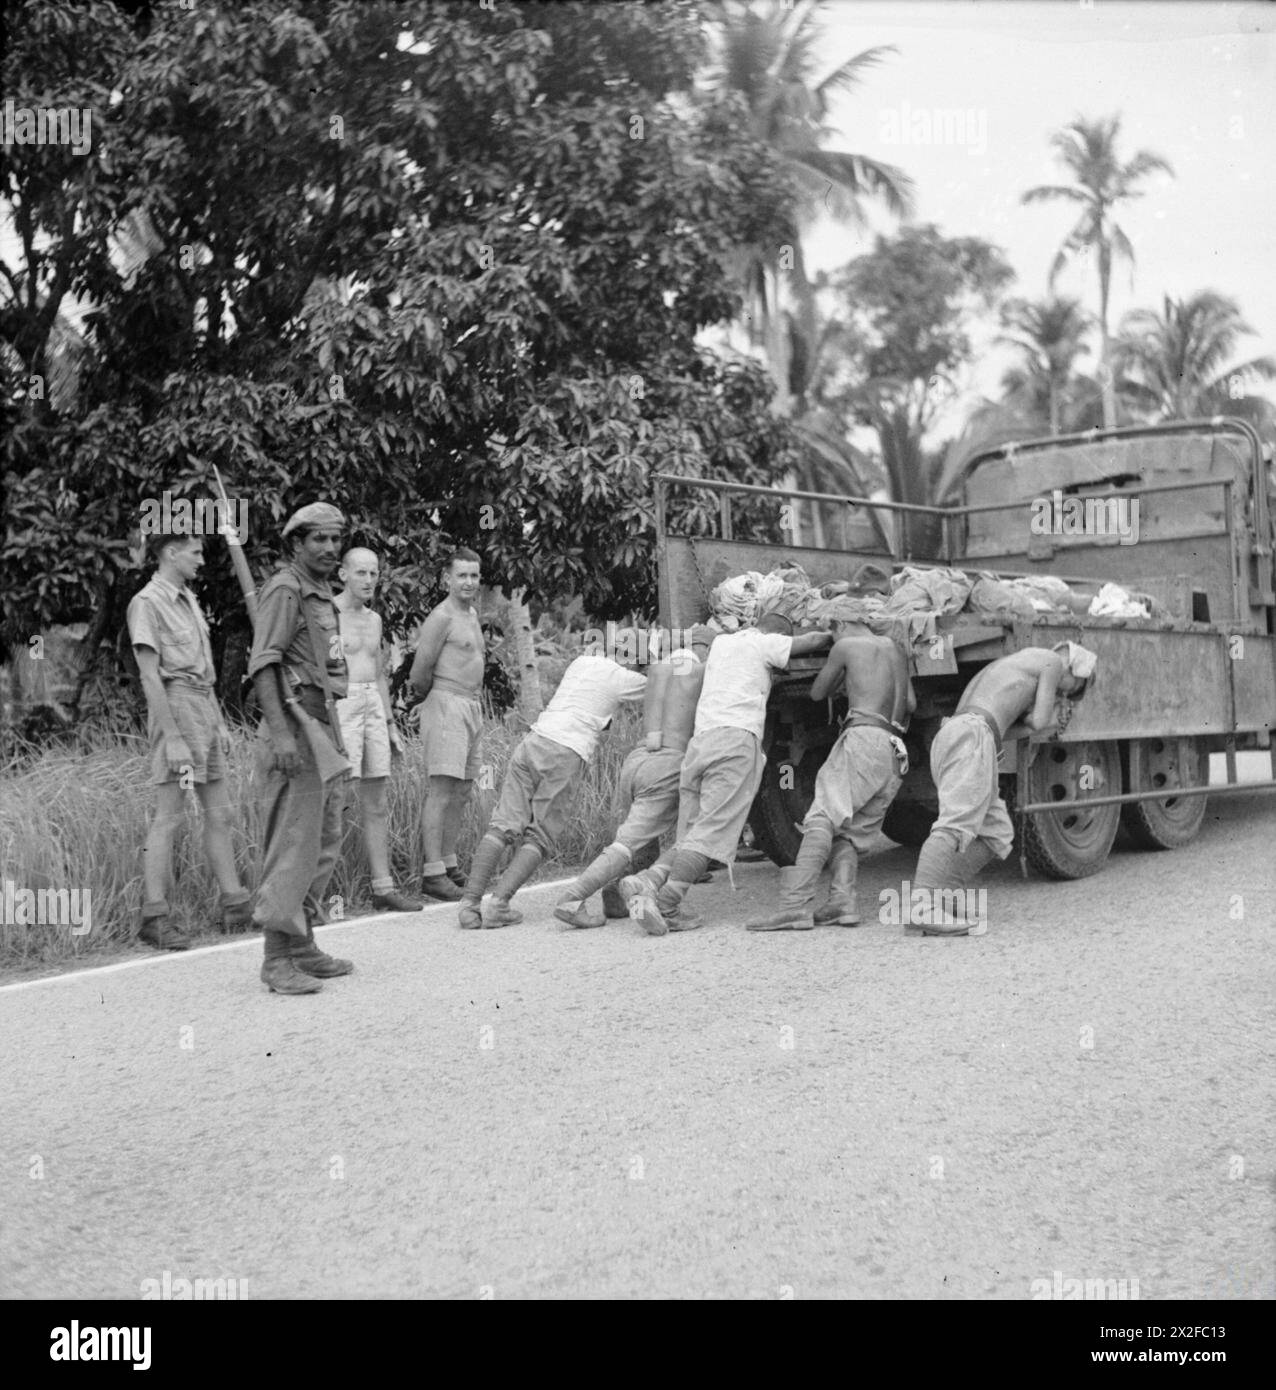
(1151, 763)
(909, 822)
(778, 810)
(1074, 843)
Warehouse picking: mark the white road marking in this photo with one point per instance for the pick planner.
(252, 939)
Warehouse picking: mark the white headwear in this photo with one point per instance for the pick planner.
(1081, 660)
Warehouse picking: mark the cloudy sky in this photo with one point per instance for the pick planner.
(1193, 82)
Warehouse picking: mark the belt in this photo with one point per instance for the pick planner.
(975, 712)
(311, 699)
(858, 717)
(669, 745)
(204, 687)
(454, 688)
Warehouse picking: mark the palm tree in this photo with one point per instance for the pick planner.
(1087, 148)
(1175, 363)
(768, 53)
(1050, 336)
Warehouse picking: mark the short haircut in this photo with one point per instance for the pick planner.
(775, 622)
(153, 543)
(365, 549)
(464, 554)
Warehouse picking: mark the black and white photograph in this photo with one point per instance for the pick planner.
(638, 663)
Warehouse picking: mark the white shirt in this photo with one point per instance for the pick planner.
(586, 698)
(737, 680)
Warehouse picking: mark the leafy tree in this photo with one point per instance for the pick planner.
(1087, 149)
(442, 264)
(908, 307)
(1174, 365)
(769, 54)
(1050, 336)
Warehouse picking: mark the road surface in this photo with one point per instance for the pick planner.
(538, 1112)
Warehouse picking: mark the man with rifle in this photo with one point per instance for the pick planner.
(299, 672)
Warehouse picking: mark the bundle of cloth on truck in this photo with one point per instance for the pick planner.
(906, 605)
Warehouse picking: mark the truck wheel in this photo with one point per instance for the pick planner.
(1152, 763)
(778, 810)
(1074, 843)
(909, 822)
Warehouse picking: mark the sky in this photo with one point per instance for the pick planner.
(1193, 82)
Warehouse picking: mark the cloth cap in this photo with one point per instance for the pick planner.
(314, 514)
(1081, 660)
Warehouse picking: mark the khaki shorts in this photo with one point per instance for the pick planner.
(856, 785)
(963, 763)
(364, 732)
(539, 785)
(647, 796)
(450, 728)
(720, 777)
(199, 723)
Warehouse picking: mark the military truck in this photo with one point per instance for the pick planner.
(1197, 677)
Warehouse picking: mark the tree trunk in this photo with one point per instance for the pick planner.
(1105, 346)
(529, 684)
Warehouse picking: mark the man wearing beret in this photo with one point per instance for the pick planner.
(297, 629)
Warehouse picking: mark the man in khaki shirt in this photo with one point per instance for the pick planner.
(187, 734)
(301, 813)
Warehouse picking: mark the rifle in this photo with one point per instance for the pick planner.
(329, 761)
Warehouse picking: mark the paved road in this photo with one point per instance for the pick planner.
(540, 1112)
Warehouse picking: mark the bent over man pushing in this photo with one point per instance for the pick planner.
(974, 825)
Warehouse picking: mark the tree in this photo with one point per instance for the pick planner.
(908, 307)
(768, 53)
(442, 264)
(1175, 364)
(1087, 149)
(1050, 336)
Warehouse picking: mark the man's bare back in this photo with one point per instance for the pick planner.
(673, 691)
(874, 674)
(1023, 684)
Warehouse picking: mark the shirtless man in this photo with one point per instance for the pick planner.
(448, 673)
(722, 768)
(647, 794)
(367, 721)
(974, 825)
(857, 783)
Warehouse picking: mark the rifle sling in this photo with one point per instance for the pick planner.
(320, 656)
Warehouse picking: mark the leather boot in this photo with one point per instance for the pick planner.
(278, 970)
(236, 912)
(441, 888)
(608, 866)
(839, 910)
(307, 956)
(797, 888)
(156, 929)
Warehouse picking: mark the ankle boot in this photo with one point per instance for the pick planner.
(278, 970)
(797, 888)
(307, 957)
(839, 910)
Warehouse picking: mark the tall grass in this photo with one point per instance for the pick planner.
(78, 820)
